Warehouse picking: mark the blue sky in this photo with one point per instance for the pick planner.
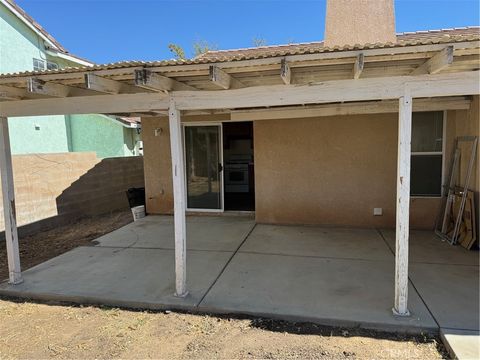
(114, 30)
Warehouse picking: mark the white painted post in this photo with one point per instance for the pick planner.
(178, 173)
(8, 194)
(403, 205)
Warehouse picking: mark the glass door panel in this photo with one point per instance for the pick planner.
(203, 167)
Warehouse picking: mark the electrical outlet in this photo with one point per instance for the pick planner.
(377, 211)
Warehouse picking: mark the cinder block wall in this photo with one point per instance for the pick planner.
(53, 189)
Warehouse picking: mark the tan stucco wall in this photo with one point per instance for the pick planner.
(330, 170)
(157, 165)
(359, 22)
(326, 170)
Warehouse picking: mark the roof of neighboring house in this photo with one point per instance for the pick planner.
(130, 120)
(17, 10)
(405, 38)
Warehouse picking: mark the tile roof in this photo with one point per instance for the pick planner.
(430, 36)
(445, 36)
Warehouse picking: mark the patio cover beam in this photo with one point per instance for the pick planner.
(381, 88)
(363, 89)
(403, 205)
(178, 173)
(353, 108)
(8, 194)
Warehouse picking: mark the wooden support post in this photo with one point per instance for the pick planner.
(11, 235)
(179, 200)
(403, 205)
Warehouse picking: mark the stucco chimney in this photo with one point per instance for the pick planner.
(351, 22)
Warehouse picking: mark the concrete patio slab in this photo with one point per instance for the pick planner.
(333, 276)
(119, 276)
(461, 344)
(330, 291)
(426, 247)
(318, 241)
(216, 233)
(451, 293)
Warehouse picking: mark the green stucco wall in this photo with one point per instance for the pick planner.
(107, 137)
(51, 134)
(41, 134)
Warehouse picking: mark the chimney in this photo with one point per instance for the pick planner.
(351, 22)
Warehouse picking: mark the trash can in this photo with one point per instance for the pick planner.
(136, 196)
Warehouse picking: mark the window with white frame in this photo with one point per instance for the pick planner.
(427, 154)
(38, 65)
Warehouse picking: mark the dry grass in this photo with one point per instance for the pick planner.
(37, 331)
(44, 245)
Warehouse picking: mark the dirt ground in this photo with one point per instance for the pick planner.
(44, 245)
(34, 331)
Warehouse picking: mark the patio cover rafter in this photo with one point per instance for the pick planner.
(152, 81)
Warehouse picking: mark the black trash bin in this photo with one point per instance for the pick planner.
(136, 196)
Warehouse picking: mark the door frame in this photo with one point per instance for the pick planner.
(219, 124)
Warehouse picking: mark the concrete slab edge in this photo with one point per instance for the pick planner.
(195, 309)
(401, 328)
(448, 346)
(91, 300)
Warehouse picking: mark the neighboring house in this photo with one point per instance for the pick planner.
(25, 46)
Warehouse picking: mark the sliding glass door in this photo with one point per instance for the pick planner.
(203, 167)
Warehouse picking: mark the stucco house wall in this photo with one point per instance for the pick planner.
(106, 136)
(18, 46)
(326, 170)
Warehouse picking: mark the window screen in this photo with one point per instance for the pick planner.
(427, 131)
(427, 154)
